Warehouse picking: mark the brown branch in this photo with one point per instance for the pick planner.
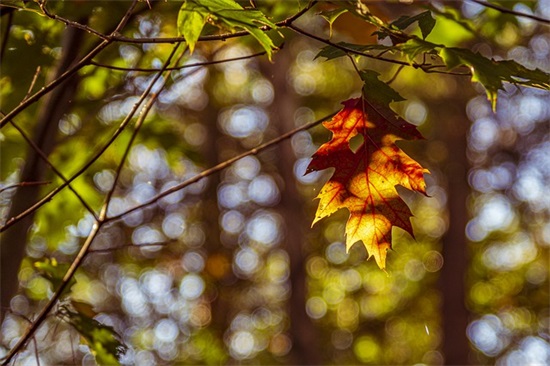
(126, 246)
(23, 184)
(99, 222)
(144, 112)
(220, 167)
(71, 71)
(512, 12)
(428, 68)
(6, 35)
(207, 63)
(53, 167)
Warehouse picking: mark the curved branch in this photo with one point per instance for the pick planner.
(207, 63)
(512, 12)
(83, 250)
(220, 167)
(71, 71)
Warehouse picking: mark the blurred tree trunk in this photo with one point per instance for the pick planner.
(304, 334)
(221, 304)
(455, 167)
(54, 106)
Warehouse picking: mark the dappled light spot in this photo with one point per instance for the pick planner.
(264, 228)
(488, 334)
(264, 191)
(416, 113)
(336, 253)
(242, 344)
(246, 261)
(166, 330)
(366, 349)
(243, 121)
(510, 255)
(146, 234)
(432, 261)
(173, 225)
(233, 221)
(232, 195)
(191, 287)
(156, 285)
(192, 262)
(247, 167)
(316, 307)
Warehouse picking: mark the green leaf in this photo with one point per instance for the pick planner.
(103, 341)
(331, 16)
(491, 74)
(425, 21)
(377, 90)
(191, 20)
(53, 271)
(331, 52)
(224, 12)
(415, 46)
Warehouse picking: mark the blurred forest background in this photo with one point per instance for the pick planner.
(228, 270)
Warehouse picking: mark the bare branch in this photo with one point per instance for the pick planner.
(145, 111)
(512, 12)
(137, 246)
(207, 63)
(428, 68)
(74, 265)
(71, 71)
(53, 167)
(220, 167)
(24, 184)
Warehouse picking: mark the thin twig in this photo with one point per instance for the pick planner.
(71, 71)
(34, 78)
(6, 35)
(395, 75)
(23, 184)
(54, 168)
(178, 67)
(426, 68)
(137, 246)
(512, 12)
(220, 167)
(143, 115)
(68, 275)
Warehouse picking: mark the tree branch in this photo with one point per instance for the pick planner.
(220, 167)
(207, 63)
(512, 12)
(71, 71)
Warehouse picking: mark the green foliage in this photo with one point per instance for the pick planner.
(425, 21)
(193, 15)
(377, 90)
(103, 340)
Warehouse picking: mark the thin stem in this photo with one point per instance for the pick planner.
(179, 67)
(220, 167)
(425, 68)
(145, 111)
(53, 167)
(24, 184)
(6, 35)
(51, 303)
(70, 72)
(512, 12)
(125, 246)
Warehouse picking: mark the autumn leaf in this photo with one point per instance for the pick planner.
(365, 180)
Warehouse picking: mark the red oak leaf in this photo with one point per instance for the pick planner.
(364, 180)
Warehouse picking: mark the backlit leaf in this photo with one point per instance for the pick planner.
(223, 12)
(103, 341)
(491, 74)
(425, 22)
(364, 180)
